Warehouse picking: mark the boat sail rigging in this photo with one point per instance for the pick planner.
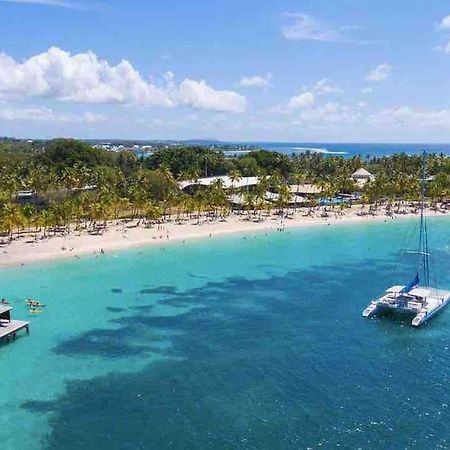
(417, 297)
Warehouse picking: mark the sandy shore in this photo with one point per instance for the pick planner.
(26, 250)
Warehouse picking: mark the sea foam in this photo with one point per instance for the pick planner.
(320, 150)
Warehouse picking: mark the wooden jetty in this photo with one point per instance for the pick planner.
(8, 327)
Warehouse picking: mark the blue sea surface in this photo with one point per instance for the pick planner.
(348, 150)
(249, 341)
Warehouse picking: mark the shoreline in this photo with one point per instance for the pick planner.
(24, 251)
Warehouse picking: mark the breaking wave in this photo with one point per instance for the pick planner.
(320, 150)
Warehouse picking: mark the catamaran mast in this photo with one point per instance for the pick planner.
(423, 236)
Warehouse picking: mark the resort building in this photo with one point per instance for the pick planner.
(29, 198)
(237, 200)
(227, 182)
(361, 177)
(240, 200)
(307, 190)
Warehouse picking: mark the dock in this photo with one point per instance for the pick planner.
(8, 327)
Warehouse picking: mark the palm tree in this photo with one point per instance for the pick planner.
(200, 203)
(45, 220)
(152, 211)
(28, 212)
(70, 179)
(218, 195)
(249, 202)
(299, 179)
(235, 176)
(12, 218)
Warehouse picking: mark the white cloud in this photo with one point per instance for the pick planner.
(408, 117)
(332, 113)
(257, 81)
(169, 78)
(380, 73)
(304, 100)
(444, 27)
(304, 27)
(198, 94)
(445, 23)
(89, 117)
(80, 78)
(85, 78)
(309, 95)
(20, 114)
(324, 86)
(35, 114)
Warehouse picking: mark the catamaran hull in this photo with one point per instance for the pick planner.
(419, 321)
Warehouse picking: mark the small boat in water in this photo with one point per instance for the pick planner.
(34, 303)
(421, 301)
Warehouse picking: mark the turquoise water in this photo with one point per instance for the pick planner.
(252, 343)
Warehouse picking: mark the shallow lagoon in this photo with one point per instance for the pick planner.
(252, 341)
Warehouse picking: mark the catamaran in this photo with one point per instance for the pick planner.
(418, 297)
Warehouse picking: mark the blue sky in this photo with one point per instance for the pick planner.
(343, 71)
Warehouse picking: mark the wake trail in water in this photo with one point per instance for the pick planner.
(320, 150)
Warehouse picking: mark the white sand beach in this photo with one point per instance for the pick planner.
(121, 235)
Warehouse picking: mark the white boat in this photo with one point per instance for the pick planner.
(421, 301)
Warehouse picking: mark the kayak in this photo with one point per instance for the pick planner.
(35, 304)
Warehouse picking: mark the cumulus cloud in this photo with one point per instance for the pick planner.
(308, 97)
(380, 73)
(256, 81)
(85, 78)
(444, 26)
(445, 23)
(198, 94)
(304, 100)
(301, 26)
(80, 78)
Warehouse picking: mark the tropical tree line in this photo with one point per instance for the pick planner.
(75, 186)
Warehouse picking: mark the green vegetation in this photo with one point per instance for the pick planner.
(71, 184)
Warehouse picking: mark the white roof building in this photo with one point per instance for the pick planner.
(237, 199)
(294, 199)
(362, 176)
(226, 181)
(271, 196)
(305, 189)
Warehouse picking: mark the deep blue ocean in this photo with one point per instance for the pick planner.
(348, 150)
(249, 341)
